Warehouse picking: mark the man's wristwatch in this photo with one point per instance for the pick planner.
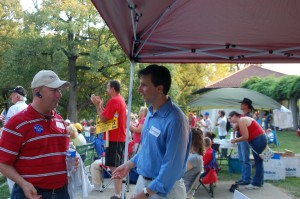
(146, 192)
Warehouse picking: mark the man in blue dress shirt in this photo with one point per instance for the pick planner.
(166, 138)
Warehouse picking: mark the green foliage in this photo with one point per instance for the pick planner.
(282, 88)
(10, 19)
(4, 192)
(190, 77)
(70, 38)
(251, 81)
(294, 87)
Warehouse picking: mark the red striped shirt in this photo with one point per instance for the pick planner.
(36, 148)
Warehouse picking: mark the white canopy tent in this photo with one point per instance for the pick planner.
(283, 118)
(230, 98)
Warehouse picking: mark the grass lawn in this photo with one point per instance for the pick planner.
(4, 193)
(287, 140)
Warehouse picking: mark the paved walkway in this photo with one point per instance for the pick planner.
(220, 192)
(109, 191)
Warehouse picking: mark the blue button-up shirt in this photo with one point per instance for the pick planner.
(166, 140)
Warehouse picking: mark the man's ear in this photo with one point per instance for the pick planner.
(160, 88)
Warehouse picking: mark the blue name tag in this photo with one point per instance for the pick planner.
(38, 128)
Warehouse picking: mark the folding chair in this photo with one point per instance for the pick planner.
(212, 165)
(105, 170)
(216, 148)
(99, 147)
(274, 140)
(190, 193)
(87, 153)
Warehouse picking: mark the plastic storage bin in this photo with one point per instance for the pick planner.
(234, 165)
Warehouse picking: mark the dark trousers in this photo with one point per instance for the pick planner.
(17, 193)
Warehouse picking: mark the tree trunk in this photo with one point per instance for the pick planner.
(72, 102)
(293, 108)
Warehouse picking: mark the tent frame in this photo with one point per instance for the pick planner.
(141, 40)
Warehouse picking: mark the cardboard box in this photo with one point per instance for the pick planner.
(286, 153)
(274, 169)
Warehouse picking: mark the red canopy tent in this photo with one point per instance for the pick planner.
(202, 31)
(182, 31)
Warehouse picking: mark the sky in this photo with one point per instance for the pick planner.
(290, 69)
(28, 4)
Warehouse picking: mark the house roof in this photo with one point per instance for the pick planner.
(234, 80)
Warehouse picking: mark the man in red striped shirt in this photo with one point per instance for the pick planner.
(34, 143)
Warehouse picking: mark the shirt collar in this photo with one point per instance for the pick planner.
(163, 110)
(40, 115)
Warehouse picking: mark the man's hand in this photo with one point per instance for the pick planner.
(122, 171)
(131, 127)
(2, 118)
(76, 164)
(29, 191)
(96, 100)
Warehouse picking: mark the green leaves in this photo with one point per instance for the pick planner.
(277, 88)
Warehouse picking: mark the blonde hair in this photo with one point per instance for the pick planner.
(72, 131)
(207, 142)
(144, 110)
(132, 116)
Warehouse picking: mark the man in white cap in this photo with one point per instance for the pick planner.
(68, 122)
(34, 143)
(18, 98)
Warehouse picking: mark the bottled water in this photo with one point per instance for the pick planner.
(71, 154)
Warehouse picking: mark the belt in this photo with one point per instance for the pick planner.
(146, 178)
(53, 191)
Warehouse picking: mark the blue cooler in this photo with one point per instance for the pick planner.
(234, 165)
(276, 156)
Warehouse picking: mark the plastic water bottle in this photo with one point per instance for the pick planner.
(71, 154)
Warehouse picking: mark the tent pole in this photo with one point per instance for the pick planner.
(132, 65)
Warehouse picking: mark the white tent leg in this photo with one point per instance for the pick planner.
(132, 65)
